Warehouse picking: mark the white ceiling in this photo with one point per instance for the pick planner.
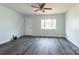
(25, 8)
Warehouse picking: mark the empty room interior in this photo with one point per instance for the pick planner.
(39, 29)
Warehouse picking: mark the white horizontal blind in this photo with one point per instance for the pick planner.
(48, 23)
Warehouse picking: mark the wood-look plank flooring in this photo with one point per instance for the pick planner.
(39, 46)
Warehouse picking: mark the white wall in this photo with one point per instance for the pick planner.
(72, 25)
(33, 25)
(11, 23)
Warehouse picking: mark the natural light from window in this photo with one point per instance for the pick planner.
(48, 23)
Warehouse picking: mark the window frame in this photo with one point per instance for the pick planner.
(52, 24)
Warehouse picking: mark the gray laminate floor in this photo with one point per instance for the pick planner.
(39, 46)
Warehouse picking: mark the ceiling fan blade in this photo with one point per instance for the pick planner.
(48, 8)
(36, 10)
(35, 6)
(43, 4)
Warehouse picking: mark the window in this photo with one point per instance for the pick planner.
(48, 23)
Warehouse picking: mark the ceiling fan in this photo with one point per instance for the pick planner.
(41, 7)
